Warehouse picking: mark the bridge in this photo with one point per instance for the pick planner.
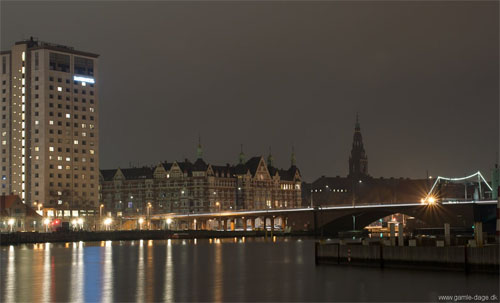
(327, 220)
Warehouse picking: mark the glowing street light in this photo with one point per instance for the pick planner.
(46, 222)
(141, 220)
(432, 200)
(80, 222)
(107, 222)
(169, 220)
(11, 223)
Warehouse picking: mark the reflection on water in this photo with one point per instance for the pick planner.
(234, 269)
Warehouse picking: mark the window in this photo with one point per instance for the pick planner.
(36, 63)
(59, 62)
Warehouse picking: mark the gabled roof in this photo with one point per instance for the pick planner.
(240, 169)
(186, 167)
(108, 174)
(8, 201)
(167, 165)
(253, 164)
(200, 165)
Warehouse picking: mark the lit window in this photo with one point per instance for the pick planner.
(59, 166)
(92, 152)
(37, 149)
(75, 142)
(51, 148)
(59, 89)
(37, 122)
(68, 159)
(51, 122)
(68, 116)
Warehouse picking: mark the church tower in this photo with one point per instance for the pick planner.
(358, 161)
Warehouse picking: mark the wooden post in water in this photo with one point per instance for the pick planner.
(447, 240)
(393, 234)
(401, 240)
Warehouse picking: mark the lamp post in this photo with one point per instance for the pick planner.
(169, 220)
(100, 215)
(141, 220)
(218, 205)
(149, 215)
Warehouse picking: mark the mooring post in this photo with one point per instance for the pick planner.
(447, 234)
(401, 240)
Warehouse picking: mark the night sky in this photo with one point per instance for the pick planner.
(423, 76)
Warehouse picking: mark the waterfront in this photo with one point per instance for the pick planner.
(233, 269)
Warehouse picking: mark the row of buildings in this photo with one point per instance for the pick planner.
(190, 187)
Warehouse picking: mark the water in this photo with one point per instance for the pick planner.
(211, 270)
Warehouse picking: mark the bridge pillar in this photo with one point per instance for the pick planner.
(224, 225)
(393, 234)
(272, 223)
(264, 224)
(401, 239)
(252, 223)
(244, 223)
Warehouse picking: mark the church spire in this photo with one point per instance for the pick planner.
(358, 161)
(270, 159)
(199, 150)
(292, 160)
(242, 155)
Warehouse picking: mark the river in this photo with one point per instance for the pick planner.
(235, 269)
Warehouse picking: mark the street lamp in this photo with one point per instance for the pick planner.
(46, 222)
(107, 222)
(169, 220)
(141, 220)
(80, 222)
(149, 214)
(218, 205)
(11, 223)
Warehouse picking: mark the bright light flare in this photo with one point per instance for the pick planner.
(141, 220)
(169, 220)
(11, 221)
(107, 221)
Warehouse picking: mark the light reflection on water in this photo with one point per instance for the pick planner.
(233, 269)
